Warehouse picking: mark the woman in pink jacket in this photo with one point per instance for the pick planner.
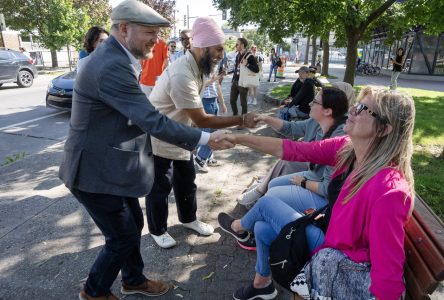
(361, 255)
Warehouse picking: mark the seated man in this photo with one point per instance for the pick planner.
(302, 93)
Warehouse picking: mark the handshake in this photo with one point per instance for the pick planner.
(221, 140)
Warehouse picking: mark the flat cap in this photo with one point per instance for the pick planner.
(136, 12)
(303, 69)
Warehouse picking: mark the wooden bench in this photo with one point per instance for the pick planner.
(424, 248)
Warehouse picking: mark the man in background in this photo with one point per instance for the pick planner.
(153, 67)
(185, 40)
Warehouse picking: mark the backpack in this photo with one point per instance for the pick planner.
(289, 251)
(278, 61)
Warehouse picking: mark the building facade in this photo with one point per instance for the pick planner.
(424, 53)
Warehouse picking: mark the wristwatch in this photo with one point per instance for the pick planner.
(303, 183)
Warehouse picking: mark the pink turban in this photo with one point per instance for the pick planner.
(206, 33)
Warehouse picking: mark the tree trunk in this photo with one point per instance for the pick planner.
(314, 51)
(326, 55)
(307, 50)
(55, 62)
(352, 54)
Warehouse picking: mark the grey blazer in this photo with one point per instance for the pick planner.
(108, 149)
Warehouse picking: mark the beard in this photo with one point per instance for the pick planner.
(207, 63)
(140, 52)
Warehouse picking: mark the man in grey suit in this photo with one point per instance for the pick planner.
(107, 161)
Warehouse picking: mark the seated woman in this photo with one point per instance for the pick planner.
(366, 230)
(310, 130)
(93, 38)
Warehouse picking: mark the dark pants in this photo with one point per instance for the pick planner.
(237, 90)
(121, 221)
(178, 175)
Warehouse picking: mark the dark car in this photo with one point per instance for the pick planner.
(59, 93)
(16, 67)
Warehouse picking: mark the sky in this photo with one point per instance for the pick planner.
(197, 8)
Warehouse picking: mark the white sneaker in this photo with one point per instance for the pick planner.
(200, 227)
(249, 197)
(254, 102)
(165, 240)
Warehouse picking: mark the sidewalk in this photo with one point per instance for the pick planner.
(49, 242)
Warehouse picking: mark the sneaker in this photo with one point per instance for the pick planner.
(249, 197)
(200, 165)
(164, 241)
(200, 227)
(250, 293)
(148, 288)
(249, 244)
(225, 221)
(212, 162)
(254, 102)
(84, 296)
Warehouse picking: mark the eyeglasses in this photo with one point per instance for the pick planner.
(319, 103)
(358, 108)
(172, 46)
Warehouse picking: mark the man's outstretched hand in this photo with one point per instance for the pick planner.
(219, 140)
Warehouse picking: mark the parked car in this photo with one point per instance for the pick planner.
(16, 67)
(59, 93)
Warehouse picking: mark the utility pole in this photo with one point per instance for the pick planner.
(188, 17)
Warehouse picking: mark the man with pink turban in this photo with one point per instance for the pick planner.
(177, 95)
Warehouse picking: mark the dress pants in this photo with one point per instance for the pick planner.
(121, 221)
(178, 175)
(236, 91)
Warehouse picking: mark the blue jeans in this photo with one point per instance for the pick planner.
(267, 217)
(273, 68)
(120, 219)
(211, 107)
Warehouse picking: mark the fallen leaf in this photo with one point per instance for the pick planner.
(208, 276)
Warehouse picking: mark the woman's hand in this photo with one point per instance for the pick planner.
(223, 107)
(297, 180)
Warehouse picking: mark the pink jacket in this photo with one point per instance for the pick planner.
(370, 227)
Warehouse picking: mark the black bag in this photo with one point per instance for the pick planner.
(278, 61)
(289, 251)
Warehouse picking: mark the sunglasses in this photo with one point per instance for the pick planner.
(185, 39)
(358, 108)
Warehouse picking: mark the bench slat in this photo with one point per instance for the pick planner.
(425, 247)
(413, 288)
(432, 225)
(415, 261)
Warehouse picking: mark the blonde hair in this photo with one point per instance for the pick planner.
(394, 149)
(347, 88)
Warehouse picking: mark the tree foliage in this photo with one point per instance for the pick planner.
(261, 40)
(351, 20)
(164, 8)
(55, 23)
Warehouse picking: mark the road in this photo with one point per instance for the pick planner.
(26, 124)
